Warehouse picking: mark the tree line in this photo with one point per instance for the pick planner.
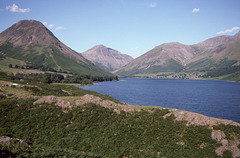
(58, 78)
(38, 67)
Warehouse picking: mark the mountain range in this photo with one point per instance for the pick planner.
(29, 42)
(214, 57)
(107, 58)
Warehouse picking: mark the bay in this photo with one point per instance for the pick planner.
(219, 99)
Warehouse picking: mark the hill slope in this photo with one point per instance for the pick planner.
(107, 58)
(66, 121)
(31, 42)
(221, 52)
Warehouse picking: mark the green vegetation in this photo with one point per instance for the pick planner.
(45, 58)
(201, 69)
(52, 89)
(232, 77)
(97, 131)
(201, 65)
(94, 131)
(223, 71)
(4, 76)
(232, 132)
(46, 64)
(55, 78)
(169, 66)
(7, 61)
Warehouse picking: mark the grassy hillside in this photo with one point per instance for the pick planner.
(46, 58)
(103, 129)
(204, 68)
(213, 58)
(169, 66)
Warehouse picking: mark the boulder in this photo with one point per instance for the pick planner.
(218, 135)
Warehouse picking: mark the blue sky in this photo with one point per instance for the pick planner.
(130, 26)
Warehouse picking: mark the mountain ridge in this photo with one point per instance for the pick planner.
(176, 57)
(31, 42)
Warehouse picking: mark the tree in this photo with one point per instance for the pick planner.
(46, 78)
(86, 81)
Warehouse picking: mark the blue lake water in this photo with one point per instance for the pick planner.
(218, 99)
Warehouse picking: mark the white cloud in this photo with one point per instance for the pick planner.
(50, 26)
(15, 8)
(229, 30)
(152, 5)
(195, 10)
(60, 28)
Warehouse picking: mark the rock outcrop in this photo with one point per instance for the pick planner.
(53, 99)
(231, 146)
(192, 118)
(7, 140)
(200, 120)
(81, 101)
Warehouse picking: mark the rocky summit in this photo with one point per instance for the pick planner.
(107, 58)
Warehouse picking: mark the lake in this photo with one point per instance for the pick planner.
(220, 99)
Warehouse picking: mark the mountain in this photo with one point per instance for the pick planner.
(221, 53)
(168, 57)
(107, 58)
(217, 54)
(30, 42)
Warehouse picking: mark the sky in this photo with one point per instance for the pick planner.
(132, 27)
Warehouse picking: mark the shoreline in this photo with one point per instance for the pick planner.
(180, 79)
(214, 115)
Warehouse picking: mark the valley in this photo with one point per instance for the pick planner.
(44, 113)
